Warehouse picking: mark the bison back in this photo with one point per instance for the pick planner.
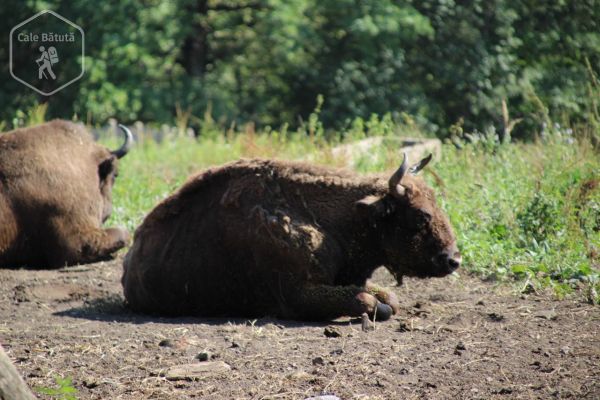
(183, 262)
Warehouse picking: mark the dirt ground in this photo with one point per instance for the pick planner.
(456, 337)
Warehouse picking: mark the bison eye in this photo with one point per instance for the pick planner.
(423, 218)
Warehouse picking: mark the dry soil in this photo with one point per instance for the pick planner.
(456, 338)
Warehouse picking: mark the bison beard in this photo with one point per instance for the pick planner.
(55, 193)
(261, 237)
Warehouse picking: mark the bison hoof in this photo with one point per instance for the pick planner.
(383, 312)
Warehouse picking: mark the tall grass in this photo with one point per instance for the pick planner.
(527, 211)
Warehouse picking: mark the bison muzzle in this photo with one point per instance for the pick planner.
(55, 193)
(264, 237)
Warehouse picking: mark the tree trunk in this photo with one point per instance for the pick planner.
(195, 47)
(12, 386)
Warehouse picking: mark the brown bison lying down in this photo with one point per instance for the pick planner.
(259, 237)
(55, 193)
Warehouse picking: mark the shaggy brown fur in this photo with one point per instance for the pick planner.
(258, 237)
(55, 193)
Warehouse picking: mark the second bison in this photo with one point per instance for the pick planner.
(55, 194)
(262, 237)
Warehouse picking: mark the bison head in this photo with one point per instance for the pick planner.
(414, 235)
(108, 171)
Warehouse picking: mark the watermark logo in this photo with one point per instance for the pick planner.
(47, 52)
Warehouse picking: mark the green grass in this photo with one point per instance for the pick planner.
(64, 391)
(529, 213)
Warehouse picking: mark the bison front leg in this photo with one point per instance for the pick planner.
(384, 295)
(86, 245)
(102, 244)
(322, 302)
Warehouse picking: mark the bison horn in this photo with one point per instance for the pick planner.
(396, 189)
(120, 152)
(420, 165)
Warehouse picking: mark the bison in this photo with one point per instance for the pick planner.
(55, 194)
(286, 239)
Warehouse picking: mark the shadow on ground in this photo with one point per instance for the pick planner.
(113, 308)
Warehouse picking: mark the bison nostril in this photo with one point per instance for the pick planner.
(453, 263)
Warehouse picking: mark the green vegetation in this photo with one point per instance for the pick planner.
(64, 391)
(527, 212)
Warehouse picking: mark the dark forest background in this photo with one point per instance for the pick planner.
(444, 62)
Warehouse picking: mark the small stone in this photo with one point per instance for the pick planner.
(90, 382)
(318, 361)
(550, 315)
(181, 385)
(166, 343)
(332, 332)
(495, 317)
(197, 370)
(20, 294)
(404, 327)
(204, 356)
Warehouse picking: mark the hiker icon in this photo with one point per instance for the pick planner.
(46, 61)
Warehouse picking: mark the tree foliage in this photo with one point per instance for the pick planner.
(267, 61)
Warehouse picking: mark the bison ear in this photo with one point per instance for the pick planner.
(373, 206)
(420, 165)
(106, 167)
